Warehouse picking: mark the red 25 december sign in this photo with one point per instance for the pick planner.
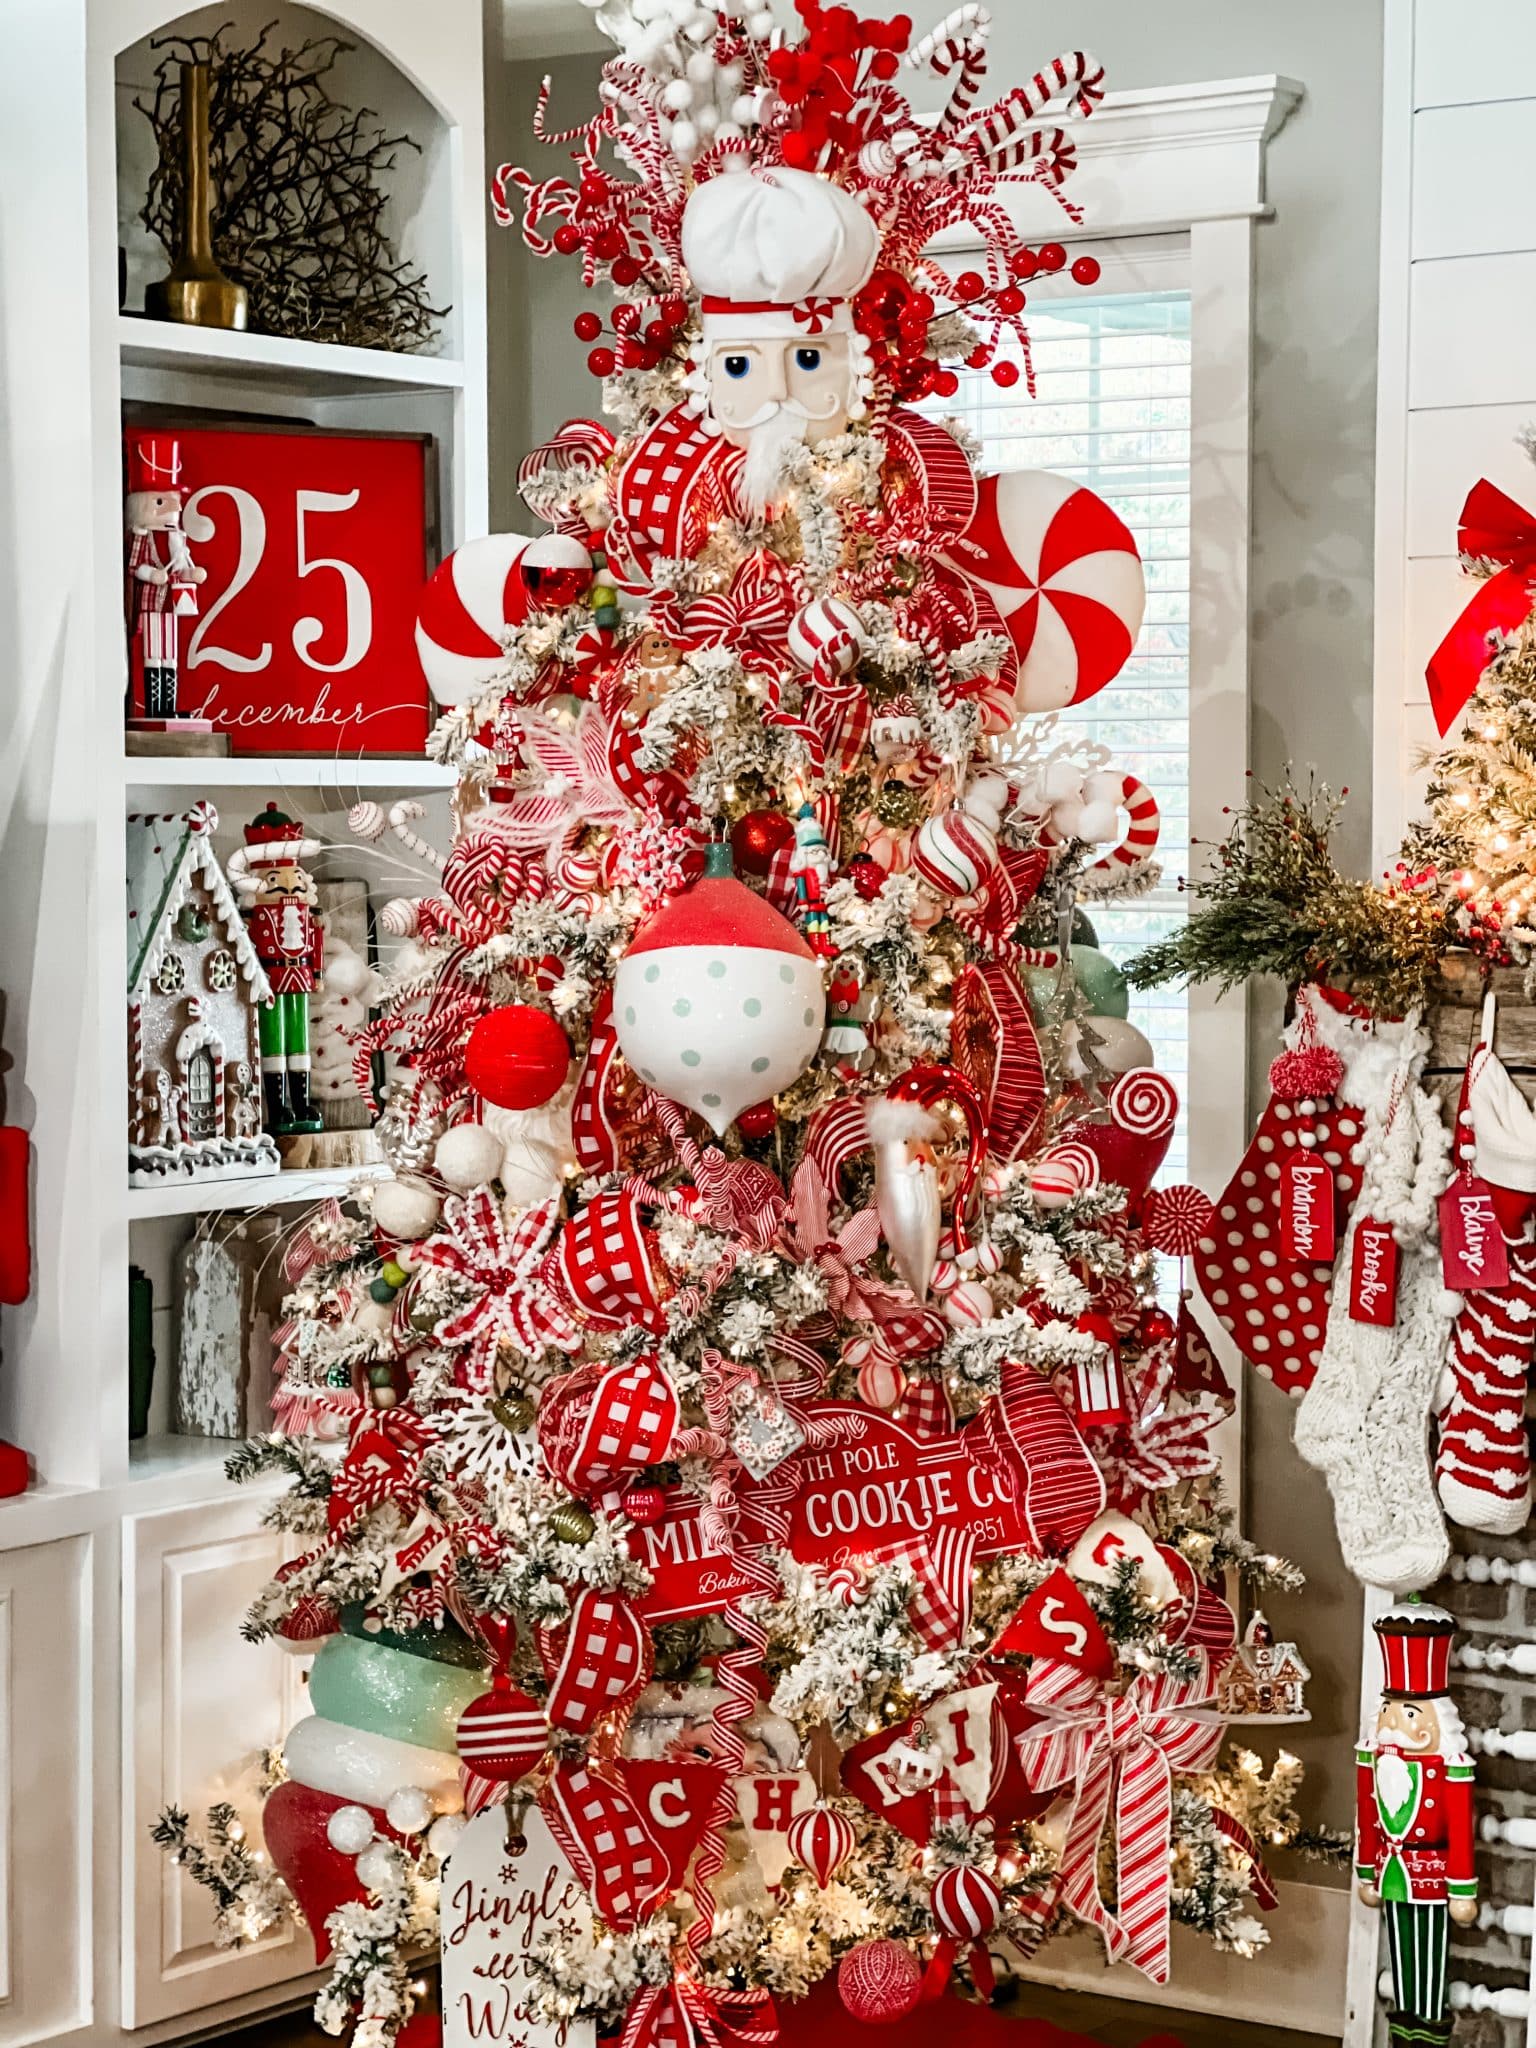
(315, 548)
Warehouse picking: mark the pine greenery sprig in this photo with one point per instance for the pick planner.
(248, 1894)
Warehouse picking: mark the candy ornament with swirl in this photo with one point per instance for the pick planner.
(715, 1351)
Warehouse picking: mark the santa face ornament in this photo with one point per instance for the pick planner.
(763, 383)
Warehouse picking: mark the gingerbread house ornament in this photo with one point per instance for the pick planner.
(1265, 1680)
(194, 989)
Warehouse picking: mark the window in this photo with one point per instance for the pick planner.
(202, 1098)
(1112, 409)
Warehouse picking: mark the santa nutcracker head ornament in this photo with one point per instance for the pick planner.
(1414, 1854)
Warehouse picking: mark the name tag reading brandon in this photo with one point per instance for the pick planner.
(880, 1488)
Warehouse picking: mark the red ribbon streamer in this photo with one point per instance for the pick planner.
(1493, 528)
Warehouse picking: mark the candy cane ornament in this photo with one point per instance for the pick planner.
(1143, 830)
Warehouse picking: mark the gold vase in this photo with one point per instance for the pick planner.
(197, 292)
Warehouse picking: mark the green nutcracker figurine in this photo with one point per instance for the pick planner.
(290, 945)
(1413, 1855)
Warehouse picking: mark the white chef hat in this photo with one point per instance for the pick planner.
(776, 252)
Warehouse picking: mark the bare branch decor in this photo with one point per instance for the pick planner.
(298, 190)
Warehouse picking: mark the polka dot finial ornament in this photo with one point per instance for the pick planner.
(718, 1002)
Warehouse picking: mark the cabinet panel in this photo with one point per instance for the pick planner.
(45, 1905)
(201, 1708)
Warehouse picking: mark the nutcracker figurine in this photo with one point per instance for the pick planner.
(1413, 1855)
(162, 576)
(290, 945)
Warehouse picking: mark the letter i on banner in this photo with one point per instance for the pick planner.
(1308, 1234)
(498, 1901)
(1373, 1274)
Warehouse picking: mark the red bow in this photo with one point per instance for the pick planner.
(753, 615)
(683, 2013)
(1119, 1749)
(1493, 529)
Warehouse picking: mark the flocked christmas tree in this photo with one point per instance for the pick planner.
(762, 1478)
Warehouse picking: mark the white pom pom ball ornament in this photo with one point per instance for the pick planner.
(467, 1156)
(443, 1835)
(405, 1208)
(1122, 1047)
(350, 1830)
(719, 1001)
(409, 1810)
(677, 97)
(376, 1867)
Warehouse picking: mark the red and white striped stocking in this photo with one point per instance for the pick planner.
(1483, 1468)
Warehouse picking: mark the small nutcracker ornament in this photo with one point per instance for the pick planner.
(810, 868)
(162, 576)
(290, 945)
(1413, 1855)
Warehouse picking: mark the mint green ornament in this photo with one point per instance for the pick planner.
(1107, 991)
(384, 1691)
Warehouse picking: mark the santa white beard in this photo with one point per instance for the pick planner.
(767, 453)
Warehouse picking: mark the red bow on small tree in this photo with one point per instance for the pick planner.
(1493, 529)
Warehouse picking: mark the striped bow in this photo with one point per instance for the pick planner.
(1118, 1754)
(753, 615)
(683, 2013)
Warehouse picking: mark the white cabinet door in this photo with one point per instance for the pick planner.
(201, 1707)
(45, 1904)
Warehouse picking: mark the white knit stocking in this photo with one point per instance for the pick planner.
(1364, 1422)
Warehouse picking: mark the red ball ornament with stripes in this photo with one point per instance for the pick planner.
(502, 1734)
(821, 1839)
(954, 853)
(967, 1906)
(826, 636)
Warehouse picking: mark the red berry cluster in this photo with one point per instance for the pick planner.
(1004, 303)
(893, 315)
(822, 80)
(640, 343)
(596, 226)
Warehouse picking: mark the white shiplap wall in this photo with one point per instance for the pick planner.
(1458, 313)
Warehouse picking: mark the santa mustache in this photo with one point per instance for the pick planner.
(793, 407)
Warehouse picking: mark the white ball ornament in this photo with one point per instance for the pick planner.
(968, 1305)
(1122, 1048)
(760, 24)
(350, 1830)
(719, 1001)
(684, 140)
(467, 1156)
(398, 917)
(376, 1867)
(744, 109)
(409, 1810)
(678, 96)
(405, 1208)
(701, 67)
(954, 853)
(728, 131)
(443, 1835)
(708, 119)
(367, 821)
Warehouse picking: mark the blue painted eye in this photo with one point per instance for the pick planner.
(808, 358)
(737, 366)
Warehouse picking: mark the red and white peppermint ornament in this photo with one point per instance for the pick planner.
(599, 1424)
(1144, 1102)
(879, 1981)
(954, 853)
(967, 1904)
(820, 1839)
(1176, 1219)
(968, 1305)
(605, 1661)
(468, 603)
(826, 635)
(847, 1581)
(1056, 1176)
(502, 1734)
(1064, 572)
(881, 1380)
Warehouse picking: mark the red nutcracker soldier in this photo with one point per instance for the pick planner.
(162, 576)
(1413, 1855)
(291, 947)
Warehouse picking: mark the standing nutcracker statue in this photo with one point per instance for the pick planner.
(290, 945)
(162, 576)
(1413, 1856)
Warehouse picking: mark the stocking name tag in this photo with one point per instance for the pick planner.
(1373, 1274)
(1307, 1229)
(1472, 1250)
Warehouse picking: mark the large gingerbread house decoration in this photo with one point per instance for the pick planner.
(194, 987)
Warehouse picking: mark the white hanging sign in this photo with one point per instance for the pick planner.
(497, 1904)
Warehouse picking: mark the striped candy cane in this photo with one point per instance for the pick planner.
(998, 138)
(1140, 841)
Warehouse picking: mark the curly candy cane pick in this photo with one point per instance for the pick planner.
(1140, 841)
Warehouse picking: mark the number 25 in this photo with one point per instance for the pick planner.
(252, 523)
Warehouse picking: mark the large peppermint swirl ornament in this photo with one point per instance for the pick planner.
(826, 636)
(954, 853)
(1176, 1220)
(1144, 1102)
(1066, 1170)
(967, 1904)
(1064, 572)
(820, 1840)
(467, 605)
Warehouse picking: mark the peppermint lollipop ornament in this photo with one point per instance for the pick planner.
(466, 606)
(718, 1003)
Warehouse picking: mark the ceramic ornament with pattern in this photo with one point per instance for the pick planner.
(718, 1002)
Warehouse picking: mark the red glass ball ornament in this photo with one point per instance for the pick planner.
(946, 383)
(517, 1057)
(879, 1981)
(977, 359)
(594, 188)
(627, 269)
(1052, 256)
(555, 570)
(644, 1505)
(1006, 374)
(922, 303)
(1010, 299)
(610, 243)
(1086, 270)
(970, 284)
(1155, 1327)
(758, 1121)
(866, 875)
(675, 310)
(587, 326)
(567, 238)
(602, 362)
(757, 837)
(626, 319)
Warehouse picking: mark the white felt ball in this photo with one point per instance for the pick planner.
(1061, 780)
(372, 1318)
(761, 23)
(728, 131)
(701, 25)
(405, 1208)
(727, 80)
(968, 1305)
(412, 960)
(467, 1156)
(708, 119)
(701, 67)
(444, 1833)
(678, 96)
(408, 1810)
(376, 1867)
(1103, 786)
(350, 1830)
(1098, 823)
(685, 140)
(744, 109)
(347, 973)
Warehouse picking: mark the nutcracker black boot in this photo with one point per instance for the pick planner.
(300, 1115)
(274, 1087)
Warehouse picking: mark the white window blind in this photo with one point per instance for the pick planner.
(1111, 409)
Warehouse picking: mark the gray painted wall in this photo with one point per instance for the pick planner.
(1315, 328)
